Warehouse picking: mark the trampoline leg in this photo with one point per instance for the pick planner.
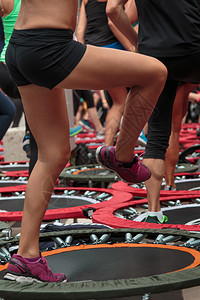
(146, 297)
(102, 184)
(90, 184)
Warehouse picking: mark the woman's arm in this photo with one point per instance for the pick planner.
(116, 13)
(121, 37)
(103, 99)
(131, 11)
(6, 7)
(82, 23)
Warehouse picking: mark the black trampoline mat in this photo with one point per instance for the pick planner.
(186, 167)
(10, 183)
(95, 172)
(14, 168)
(17, 204)
(188, 184)
(120, 262)
(182, 214)
(67, 202)
(88, 173)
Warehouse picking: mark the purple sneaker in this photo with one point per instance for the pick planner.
(134, 174)
(20, 269)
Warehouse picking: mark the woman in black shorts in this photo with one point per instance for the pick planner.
(43, 59)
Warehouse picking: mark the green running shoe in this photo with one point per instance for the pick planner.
(154, 219)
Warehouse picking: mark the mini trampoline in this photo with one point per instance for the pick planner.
(191, 152)
(5, 231)
(183, 213)
(86, 135)
(17, 174)
(186, 168)
(10, 188)
(139, 193)
(88, 174)
(186, 184)
(7, 184)
(65, 203)
(14, 166)
(90, 140)
(108, 263)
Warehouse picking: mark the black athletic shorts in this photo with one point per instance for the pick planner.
(42, 56)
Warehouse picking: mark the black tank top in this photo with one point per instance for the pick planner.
(169, 27)
(98, 32)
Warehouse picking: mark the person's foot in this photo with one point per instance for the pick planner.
(26, 144)
(21, 269)
(142, 140)
(100, 134)
(134, 172)
(75, 130)
(86, 124)
(154, 219)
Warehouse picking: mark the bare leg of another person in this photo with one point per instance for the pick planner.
(78, 115)
(180, 108)
(115, 113)
(93, 116)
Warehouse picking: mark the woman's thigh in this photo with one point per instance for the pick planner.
(104, 68)
(47, 116)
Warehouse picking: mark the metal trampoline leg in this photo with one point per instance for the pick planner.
(90, 183)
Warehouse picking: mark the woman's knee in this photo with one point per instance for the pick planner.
(62, 157)
(154, 76)
(56, 157)
(159, 75)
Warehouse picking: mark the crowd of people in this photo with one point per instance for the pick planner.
(117, 54)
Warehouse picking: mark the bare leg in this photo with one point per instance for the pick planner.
(144, 74)
(46, 113)
(114, 115)
(93, 115)
(138, 108)
(172, 155)
(153, 185)
(179, 110)
(146, 129)
(78, 115)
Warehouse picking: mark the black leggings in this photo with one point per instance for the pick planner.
(87, 95)
(7, 112)
(180, 69)
(7, 84)
(9, 87)
(34, 149)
